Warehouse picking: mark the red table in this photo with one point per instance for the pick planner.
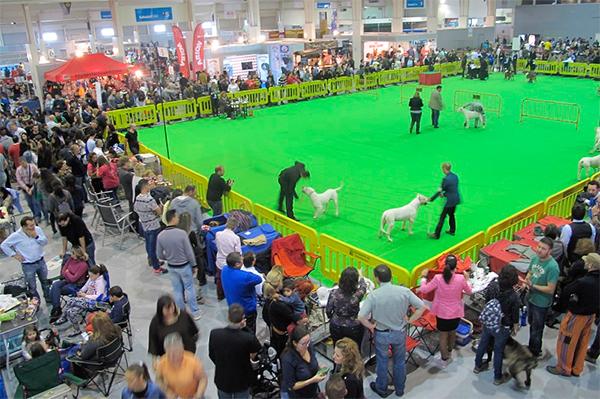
(499, 257)
(430, 78)
(527, 231)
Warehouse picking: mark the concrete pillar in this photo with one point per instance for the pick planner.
(253, 21)
(191, 15)
(118, 28)
(92, 35)
(397, 15)
(432, 15)
(41, 42)
(463, 13)
(490, 19)
(32, 55)
(357, 31)
(309, 20)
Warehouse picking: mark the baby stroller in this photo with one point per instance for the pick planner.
(268, 370)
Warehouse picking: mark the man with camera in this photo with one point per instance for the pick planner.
(217, 186)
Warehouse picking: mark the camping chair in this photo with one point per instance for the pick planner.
(102, 370)
(96, 198)
(289, 252)
(114, 223)
(411, 345)
(125, 326)
(423, 327)
(37, 375)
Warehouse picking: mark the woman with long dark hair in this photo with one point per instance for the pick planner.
(448, 305)
(343, 306)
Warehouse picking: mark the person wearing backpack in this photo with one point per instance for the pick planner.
(448, 305)
(499, 319)
(59, 201)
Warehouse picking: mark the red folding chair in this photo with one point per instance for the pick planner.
(423, 327)
(289, 252)
(411, 345)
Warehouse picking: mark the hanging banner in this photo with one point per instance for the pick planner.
(198, 48)
(181, 52)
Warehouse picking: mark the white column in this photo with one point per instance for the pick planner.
(357, 31)
(490, 19)
(41, 43)
(309, 20)
(253, 20)
(432, 15)
(118, 28)
(191, 15)
(463, 13)
(32, 55)
(397, 15)
(92, 35)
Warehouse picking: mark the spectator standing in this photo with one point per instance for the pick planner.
(388, 306)
(139, 384)
(541, 280)
(227, 242)
(180, 374)
(26, 245)
(26, 174)
(509, 302)
(132, 139)
(169, 319)
(217, 186)
(74, 231)
(448, 305)
(416, 105)
(76, 164)
(343, 306)
(449, 190)
(188, 203)
(149, 214)
(107, 171)
(348, 361)
(173, 245)
(125, 173)
(575, 234)
(436, 105)
(232, 350)
(239, 287)
(583, 297)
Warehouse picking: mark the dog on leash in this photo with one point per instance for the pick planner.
(509, 75)
(321, 200)
(472, 115)
(407, 213)
(588, 163)
(531, 77)
(519, 361)
(596, 141)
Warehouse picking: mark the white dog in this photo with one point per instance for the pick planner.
(321, 200)
(596, 141)
(469, 115)
(406, 213)
(588, 163)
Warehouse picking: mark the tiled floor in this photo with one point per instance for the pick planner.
(128, 269)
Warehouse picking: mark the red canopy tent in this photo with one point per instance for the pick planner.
(85, 67)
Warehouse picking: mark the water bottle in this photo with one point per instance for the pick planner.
(523, 316)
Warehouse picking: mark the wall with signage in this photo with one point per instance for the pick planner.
(140, 15)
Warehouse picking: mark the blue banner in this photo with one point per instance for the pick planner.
(153, 14)
(106, 14)
(415, 4)
(323, 5)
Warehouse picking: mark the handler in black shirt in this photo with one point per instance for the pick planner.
(415, 104)
(73, 230)
(231, 349)
(217, 186)
(288, 178)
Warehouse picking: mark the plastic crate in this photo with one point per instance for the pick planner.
(464, 332)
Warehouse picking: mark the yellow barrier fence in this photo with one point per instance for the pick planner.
(287, 226)
(547, 67)
(141, 116)
(252, 98)
(469, 247)
(278, 94)
(560, 204)
(390, 77)
(316, 88)
(594, 71)
(175, 110)
(409, 74)
(205, 106)
(573, 69)
(336, 255)
(550, 110)
(371, 80)
(343, 84)
(233, 200)
(492, 103)
(507, 227)
(521, 64)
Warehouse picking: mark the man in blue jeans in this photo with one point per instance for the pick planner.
(387, 307)
(26, 245)
(149, 213)
(541, 281)
(173, 245)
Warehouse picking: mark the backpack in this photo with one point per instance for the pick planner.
(491, 315)
(63, 206)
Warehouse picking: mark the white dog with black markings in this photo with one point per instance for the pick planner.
(472, 115)
(320, 201)
(588, 163)
(406, 213)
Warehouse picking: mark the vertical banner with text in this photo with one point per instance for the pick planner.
(198, 49)
(182, 56)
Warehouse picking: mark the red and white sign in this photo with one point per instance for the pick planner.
(198, 49)
(182, 57)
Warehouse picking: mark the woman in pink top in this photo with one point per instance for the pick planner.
(448, 305)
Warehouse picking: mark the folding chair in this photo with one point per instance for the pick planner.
(411, 345)
(101, 371)
(125, 326)
(37, 375)
(423, 327)
(114, 222)
(290, 253)
(96, 198)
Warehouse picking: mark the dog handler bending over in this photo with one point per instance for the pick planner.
(288, 178)
(476, 106)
